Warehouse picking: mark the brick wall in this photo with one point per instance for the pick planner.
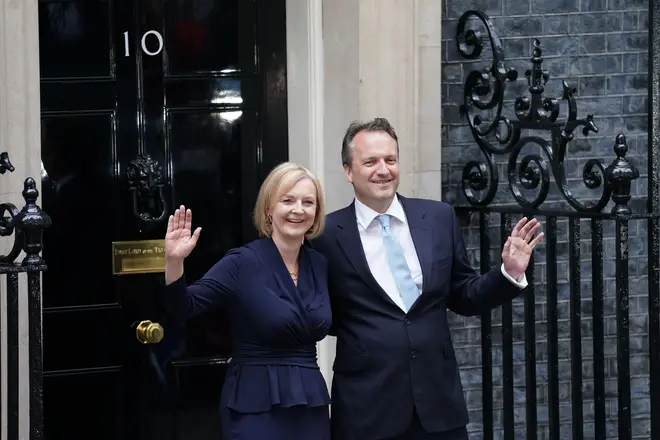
(600, 48)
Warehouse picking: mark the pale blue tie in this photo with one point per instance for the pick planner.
(400, 270)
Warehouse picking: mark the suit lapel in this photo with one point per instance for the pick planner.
(421, 232)
(349, 240)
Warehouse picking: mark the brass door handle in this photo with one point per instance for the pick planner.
(148, 332)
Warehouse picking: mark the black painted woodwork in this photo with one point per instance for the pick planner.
(210, 108)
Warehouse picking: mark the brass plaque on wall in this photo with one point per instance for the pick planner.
(135, 257)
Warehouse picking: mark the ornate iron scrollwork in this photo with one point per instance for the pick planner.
(534, 112)
(146, 182)
(5, 163)
(27, 225)
(7, 213)
(7, 229)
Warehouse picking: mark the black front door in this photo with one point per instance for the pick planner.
(146, 105)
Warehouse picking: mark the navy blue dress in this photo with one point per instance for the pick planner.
(274, 389)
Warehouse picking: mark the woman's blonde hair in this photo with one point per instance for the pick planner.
(280, 180)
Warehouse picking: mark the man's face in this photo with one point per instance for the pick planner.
(374, 169)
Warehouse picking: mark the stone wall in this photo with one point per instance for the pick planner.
(369, 72)
(601, 48)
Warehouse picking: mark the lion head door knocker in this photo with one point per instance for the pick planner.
(145, 182)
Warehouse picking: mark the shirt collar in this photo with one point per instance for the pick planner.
(366, 215)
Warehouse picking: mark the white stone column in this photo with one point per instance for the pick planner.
(305, 83)
(429, 110)
(355, 60)
(389, 75)
(341, 42)
(306, 107)
(20, 136)
(382, 58)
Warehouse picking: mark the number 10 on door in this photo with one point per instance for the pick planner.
(143, 42)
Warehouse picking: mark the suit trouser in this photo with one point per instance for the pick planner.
(416, 432)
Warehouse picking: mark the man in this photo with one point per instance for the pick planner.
(396, 265)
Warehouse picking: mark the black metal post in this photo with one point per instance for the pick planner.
(27, 227)
(32, 221)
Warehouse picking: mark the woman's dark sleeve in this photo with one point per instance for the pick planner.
(215, 289)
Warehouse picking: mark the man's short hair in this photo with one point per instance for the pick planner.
(377, 124)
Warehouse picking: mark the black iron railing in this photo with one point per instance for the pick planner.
(610, 209)
(26, 226)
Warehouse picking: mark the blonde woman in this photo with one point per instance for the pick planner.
(276, 290)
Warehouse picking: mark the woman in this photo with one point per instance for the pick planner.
(276, 290)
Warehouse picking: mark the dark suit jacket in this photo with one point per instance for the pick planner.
(389, 362)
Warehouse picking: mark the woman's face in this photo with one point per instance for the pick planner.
(293, 212)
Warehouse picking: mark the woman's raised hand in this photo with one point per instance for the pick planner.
(179, 239)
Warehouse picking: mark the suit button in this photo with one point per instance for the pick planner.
(407, 321)
(413, 355)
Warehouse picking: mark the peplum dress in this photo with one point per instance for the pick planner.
(273, 389)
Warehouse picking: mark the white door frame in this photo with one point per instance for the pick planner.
(305, 67)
